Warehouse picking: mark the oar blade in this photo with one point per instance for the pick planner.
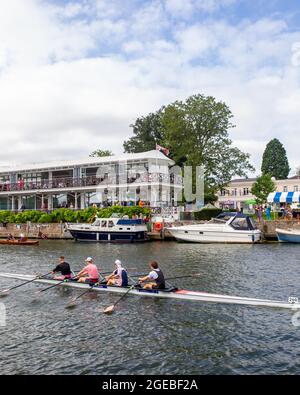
(71, 305)
(109, 309)
(4, 293)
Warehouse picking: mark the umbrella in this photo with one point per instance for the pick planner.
(250, 201)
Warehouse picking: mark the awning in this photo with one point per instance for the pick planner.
(284, 197)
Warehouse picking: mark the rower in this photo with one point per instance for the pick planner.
(155, 279)
(10, 237)
(22, 237)
(89, 274)
(63, 268)
(119, 276)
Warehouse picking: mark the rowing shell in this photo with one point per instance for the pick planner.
(176, 294)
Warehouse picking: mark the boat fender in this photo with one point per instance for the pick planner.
(158, 226)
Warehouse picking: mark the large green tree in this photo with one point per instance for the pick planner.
(196, 132)
(275, 161)
(147, 132)
(263, 186)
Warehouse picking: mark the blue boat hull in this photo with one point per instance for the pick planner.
(109, 237)
(288, 238)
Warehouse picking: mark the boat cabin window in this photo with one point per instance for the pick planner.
(111, 224)
(97, 222)
(103, 224)
(240, 224)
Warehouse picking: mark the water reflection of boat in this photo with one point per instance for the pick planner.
(288, 235)
(226, 228)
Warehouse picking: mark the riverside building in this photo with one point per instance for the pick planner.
(124, 179)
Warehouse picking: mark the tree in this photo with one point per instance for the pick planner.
(263, 186)
(275, 161)
(101, 153)
(197, 130)
(147, 133)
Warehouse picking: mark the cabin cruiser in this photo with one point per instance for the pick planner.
(225, 228)
(110, 230)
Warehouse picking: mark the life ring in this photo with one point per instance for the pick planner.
(158, 226)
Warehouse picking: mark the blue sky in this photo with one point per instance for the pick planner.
(75, 74)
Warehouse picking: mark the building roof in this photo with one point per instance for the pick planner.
(243, 180)
(154, 154)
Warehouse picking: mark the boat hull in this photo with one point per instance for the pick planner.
(109, 237)
(178, 294)
(286, 236)
(21, 243)
(207, 236)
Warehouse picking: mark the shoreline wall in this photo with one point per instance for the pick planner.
(30, 230)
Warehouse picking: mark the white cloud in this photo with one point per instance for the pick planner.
(73, 78)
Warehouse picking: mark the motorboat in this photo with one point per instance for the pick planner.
(288, 235)
(110, 230)
(227, 227)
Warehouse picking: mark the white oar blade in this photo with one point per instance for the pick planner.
(109, 309)
(4, 293)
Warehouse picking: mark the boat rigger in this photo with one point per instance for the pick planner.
(180, 294)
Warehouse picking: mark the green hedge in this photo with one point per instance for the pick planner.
(67, 215)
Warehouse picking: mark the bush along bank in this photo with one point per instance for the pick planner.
(68, 215)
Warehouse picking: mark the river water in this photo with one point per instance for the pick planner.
(153, 336)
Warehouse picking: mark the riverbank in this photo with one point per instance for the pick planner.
(58, 230)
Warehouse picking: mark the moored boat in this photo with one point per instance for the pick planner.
(20, 242)
(110, 230)
(226, 228)
(171, 293)
(288, 235)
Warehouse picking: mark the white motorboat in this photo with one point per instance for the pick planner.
(226, 228)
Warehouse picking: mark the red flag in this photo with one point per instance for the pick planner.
(166, 151)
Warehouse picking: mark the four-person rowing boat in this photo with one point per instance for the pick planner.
(168, 293)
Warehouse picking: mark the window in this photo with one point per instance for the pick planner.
(240, 223)
(110, 224)
(285, 189)
(103, 224)
(246, 191)
(223, 192)
(296, 188)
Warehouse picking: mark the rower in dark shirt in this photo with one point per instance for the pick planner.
(63, 268)
(155, 279)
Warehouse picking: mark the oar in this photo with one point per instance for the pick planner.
(6, 291)
(72, 303)
(110, 309)
(187, 276)
(51, 286)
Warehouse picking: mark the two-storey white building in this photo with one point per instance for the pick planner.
(79, 184)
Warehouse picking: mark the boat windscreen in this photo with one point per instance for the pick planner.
(242, 223)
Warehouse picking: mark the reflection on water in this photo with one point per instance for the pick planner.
(148, 335)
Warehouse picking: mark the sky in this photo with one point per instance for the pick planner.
(75, 74)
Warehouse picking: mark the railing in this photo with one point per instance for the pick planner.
(60, 183)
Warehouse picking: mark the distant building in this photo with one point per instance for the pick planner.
(238, 191)
(123, 179)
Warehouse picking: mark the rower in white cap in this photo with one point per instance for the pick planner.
(89, 274)
(119, 277)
